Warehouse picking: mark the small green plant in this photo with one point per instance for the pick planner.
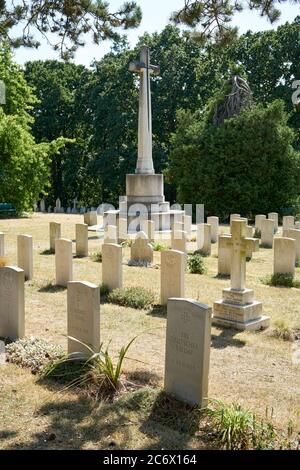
(104, 290)
(127, 243)
(298, 264)
(158, 246)
(133, 297)
(238, 429)
(96, 256)
(196, 264)
(281, 280)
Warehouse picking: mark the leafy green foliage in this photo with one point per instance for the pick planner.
(97, 256)
(247, 164)
(281, 280)
(104, 290)
(69, 21)
(196, 264)
(24, 169)
(132, 297)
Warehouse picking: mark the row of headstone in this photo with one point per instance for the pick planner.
(24, 254)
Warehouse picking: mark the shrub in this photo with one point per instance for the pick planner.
(133, 297)
(281, 280)
(196, 264)
(238, 429)
(157, 246)
(33, 353)
(104, 290)
(97, 256)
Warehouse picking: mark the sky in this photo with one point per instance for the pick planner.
(156, 15)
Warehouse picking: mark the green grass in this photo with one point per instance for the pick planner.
(96, 256)
(133, 297)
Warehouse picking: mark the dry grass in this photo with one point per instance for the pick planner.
(254, 369)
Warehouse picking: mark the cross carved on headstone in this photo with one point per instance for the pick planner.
(240, 245)
(144, 69)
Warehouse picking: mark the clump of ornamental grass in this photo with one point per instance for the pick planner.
(132, 297)
(158, 246)
(239, 429)
(33, 353)
(94, 371)
(282, 331)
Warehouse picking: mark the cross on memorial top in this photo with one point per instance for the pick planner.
(144, 69)
(240, 245)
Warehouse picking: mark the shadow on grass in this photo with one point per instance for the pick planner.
(7, 434)
(47, 252)
(51, 288)
(158, 311)
(222, 276)
(226, 338)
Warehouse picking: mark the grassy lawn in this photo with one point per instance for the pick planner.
(253, 369)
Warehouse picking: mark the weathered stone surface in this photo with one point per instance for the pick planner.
(90, 218)
(188, 351)
(288, 221)
(188, 226)
(122, 230)
(82, 240)
(267, 232)
(284, 255)
(204, 239)
(274, 216)
(179, 241)
(55, 234)
(295, 235)
(111, 234)
(83, 317)
(63, 262)
(141, 249)
(148, 227)
(224, 255)
(214, 223)
(112, 272)
(25, 255)
(12, 304)
(172, 275)
(258, 221)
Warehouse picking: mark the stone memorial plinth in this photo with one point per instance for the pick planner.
(63, 262)
(238, 309)
(141, 249)
(83, 317)
(204, 239)
(112, 272)
(214, 223)
(284, 256)
(25, 255)
(267, 233)
(172, 275)
(82, 240)
(12, 303)
(55, 234)
(187, 358)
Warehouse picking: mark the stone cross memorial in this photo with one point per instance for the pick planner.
(83, 317)
(237, 309)
(188, 351)
(144, 69)
(12, 303)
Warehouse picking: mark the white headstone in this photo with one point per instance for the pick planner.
(267, 232)
(188, 351)
(141, 249)
(82, 240)
(55, 234)
(258, 221)
(288, 221)
(83, 317)
(90, 218)
(188, 226)
(295, 235)
(172, 275)
(111, 234)
(274, 216)
(112, 272)
(224, 255)
(12, 304)
(63, 262)
(25, 255)
(214, 223)
(179, 241)
(204, 239)
(284, 256)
